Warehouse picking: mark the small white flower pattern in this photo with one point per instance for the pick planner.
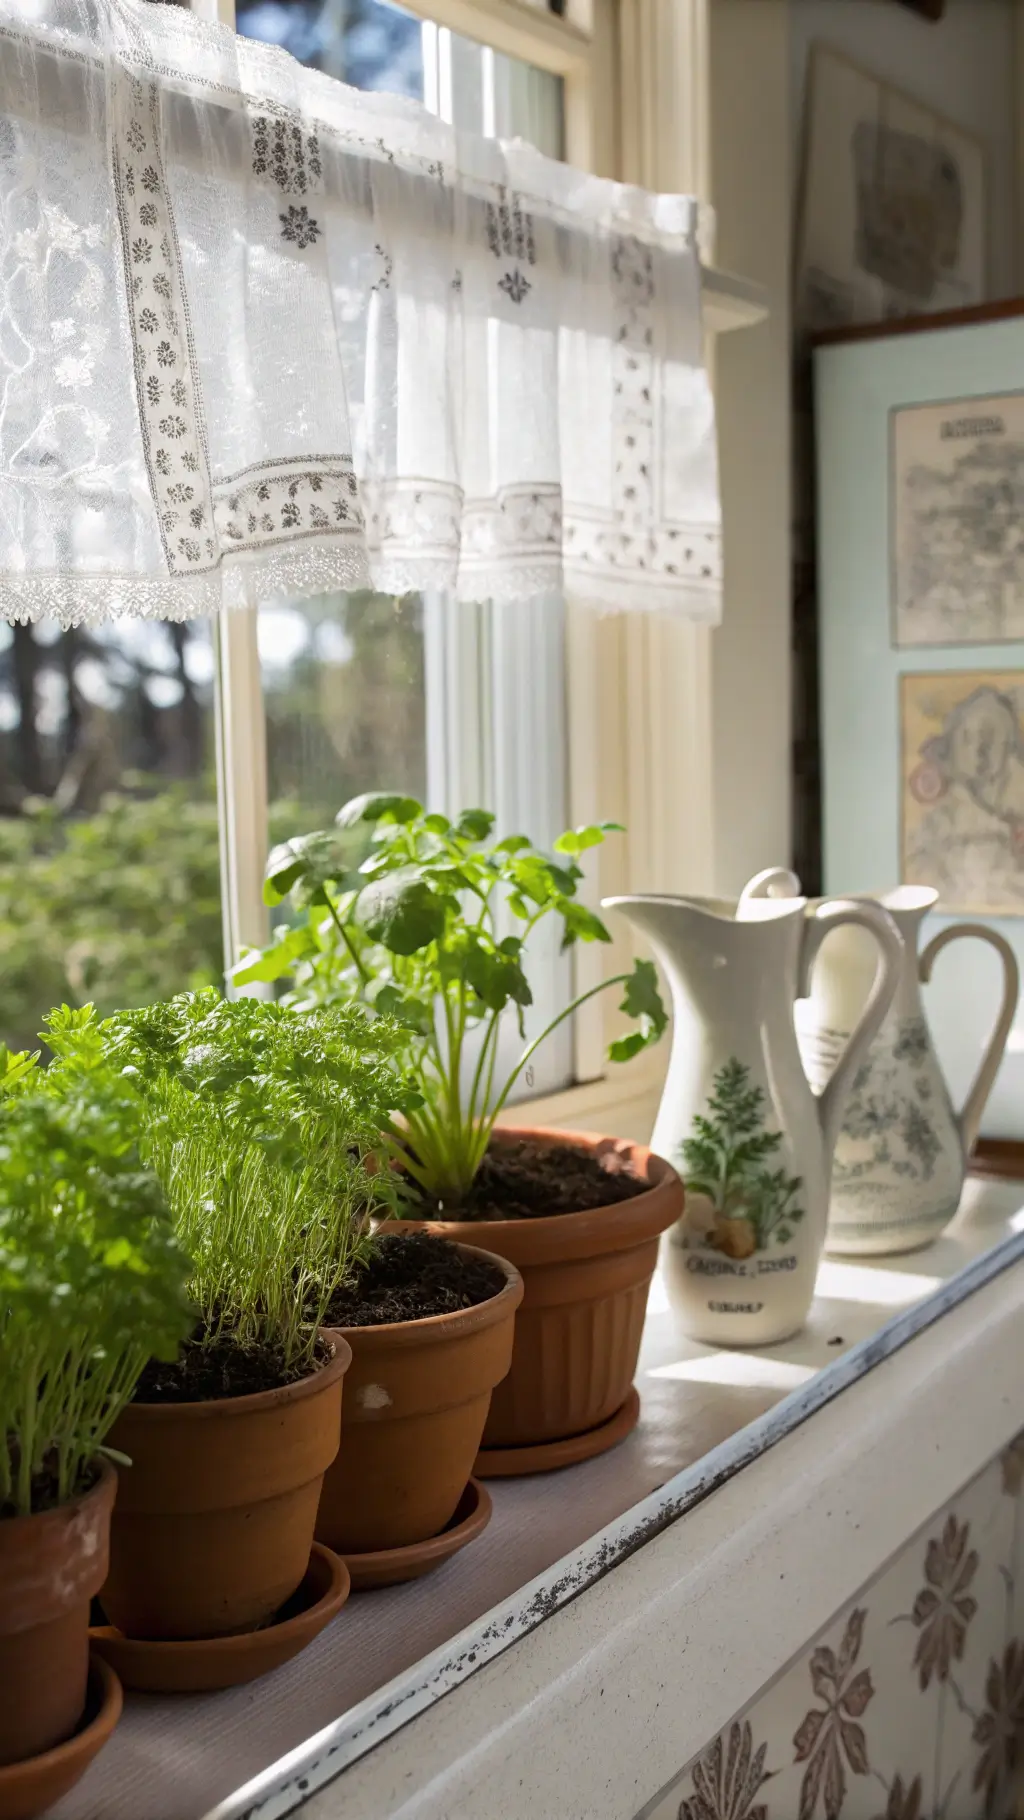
(171, 437)
(73, 372)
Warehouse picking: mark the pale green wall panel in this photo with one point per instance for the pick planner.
(858, 384)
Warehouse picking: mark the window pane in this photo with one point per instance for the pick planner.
(367, 43)
(374, 45)
(109, 879)
(345, 704)
(343, 677)
(363, 692)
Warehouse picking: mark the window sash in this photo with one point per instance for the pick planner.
(495, 678)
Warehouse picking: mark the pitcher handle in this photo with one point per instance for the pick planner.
(826, 917)
(984, 1081)
(774, 881)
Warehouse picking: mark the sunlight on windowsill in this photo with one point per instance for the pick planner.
(741, 1370)
(879, 1287)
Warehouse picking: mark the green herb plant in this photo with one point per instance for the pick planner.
(430, 930)
(264, 1128)
(92, 1278)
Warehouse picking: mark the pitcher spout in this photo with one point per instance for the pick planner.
(660, 917)
(668, 921)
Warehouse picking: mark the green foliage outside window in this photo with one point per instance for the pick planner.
(120, 907)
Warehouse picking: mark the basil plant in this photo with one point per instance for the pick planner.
(431, 929)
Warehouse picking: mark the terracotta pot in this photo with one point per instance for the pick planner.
(416, 1401)
(34, 1786)
(51, 1565)
(586, 1277)
(214, 1520)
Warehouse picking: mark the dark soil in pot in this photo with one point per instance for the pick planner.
(527, 1180)
(412, 1276)
(205, 1374)
(580, 1217)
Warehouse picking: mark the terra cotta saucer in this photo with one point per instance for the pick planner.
(29, 1788)
(393, 1566)
(547, 1456)
(215, 1662)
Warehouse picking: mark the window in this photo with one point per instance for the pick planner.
(109, 874)
(459, 705)
(144, 769)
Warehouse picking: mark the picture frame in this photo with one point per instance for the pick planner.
(910, 727)
(932, 10)
(962, 788)
(893, 214)
(956, 492)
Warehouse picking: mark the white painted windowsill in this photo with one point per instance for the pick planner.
(758, 1492)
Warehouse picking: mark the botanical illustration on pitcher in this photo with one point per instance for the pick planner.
(738, 1114)
(899, 1164)
(902, 1154)
(902, 1151)
(736, 1203)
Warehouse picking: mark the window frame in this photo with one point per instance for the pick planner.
(638, 98)
(576, 48)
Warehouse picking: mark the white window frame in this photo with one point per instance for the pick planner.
(639, 689)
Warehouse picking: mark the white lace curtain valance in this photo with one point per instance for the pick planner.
(261, 333)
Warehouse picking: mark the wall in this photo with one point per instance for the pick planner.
(909, 1704)
(962, 66)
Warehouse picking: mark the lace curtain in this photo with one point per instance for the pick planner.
(262, 333)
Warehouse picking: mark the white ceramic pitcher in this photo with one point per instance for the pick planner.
(902, 1154)
(738, 1116)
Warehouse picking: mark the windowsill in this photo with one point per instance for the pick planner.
(621, 1103)
(707, 1416)
(731, 302)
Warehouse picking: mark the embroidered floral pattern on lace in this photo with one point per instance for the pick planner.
(514, 285)
(511, 544)
(510, 236)
(421, 516)
(248, 307)
(284, 154)
(299, 225)
(521, 526)
(288, 157)
(638, 538)
(173, 440)
(287, 500)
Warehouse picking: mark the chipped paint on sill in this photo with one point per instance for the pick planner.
(285, 1786)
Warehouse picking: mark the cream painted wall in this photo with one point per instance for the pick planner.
(751, 189)
(962, 65)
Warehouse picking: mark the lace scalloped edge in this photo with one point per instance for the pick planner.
(637, 591)
(240, 581)
(302, 571)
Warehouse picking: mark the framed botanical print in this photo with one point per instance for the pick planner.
(957, 500)
(962, 787)
(920, 484)
(893, 207)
